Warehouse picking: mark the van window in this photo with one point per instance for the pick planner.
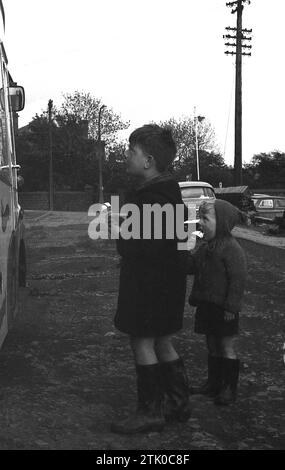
(3, 141)
(4, 160)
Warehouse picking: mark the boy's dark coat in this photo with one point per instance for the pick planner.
(152, 279)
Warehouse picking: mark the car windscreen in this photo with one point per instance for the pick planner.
(209, 192)
(194, 192)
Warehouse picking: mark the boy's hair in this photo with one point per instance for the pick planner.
(157, 142)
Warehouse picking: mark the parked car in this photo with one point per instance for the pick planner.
(195, 192)
(269, 207)
(255, 197)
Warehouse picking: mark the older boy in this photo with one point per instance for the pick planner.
(152, 290)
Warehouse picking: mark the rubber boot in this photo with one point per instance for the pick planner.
(176, 390)
(228, 393)
(149, 409)
(213, 384)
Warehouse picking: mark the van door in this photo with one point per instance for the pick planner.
(7, 222)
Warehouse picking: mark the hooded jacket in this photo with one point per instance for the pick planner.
(219, 266)
(152, 278)
(160, 191)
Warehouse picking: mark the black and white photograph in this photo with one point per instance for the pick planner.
(142, 229)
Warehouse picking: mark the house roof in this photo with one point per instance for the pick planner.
(24, 129)
(232, 190)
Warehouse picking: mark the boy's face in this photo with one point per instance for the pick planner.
(208, 223)
(137, 161)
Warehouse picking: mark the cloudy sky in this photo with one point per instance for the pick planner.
(150, 60)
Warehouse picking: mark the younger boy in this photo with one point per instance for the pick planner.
(219, 266)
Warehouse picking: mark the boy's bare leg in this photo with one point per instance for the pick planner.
(165, 350)
(143, 350)
(228, 347)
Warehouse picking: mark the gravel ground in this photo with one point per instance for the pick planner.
(66, 373)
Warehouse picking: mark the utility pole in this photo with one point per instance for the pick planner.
(240, 47)
(2, 13)
(50, 105)
(100, 150)
(196, 120)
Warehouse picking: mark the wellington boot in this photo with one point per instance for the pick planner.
(176, 389)
(228, 393)
(213, 384)
(205, 389)
(148, 417)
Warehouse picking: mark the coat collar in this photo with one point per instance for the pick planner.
(157, 179)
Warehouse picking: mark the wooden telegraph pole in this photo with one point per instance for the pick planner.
(240, 36)
(50, 105)
(101, 154)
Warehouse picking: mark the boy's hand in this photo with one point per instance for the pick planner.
(229, 316)
(113, 226)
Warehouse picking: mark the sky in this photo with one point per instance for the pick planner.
(150, 60)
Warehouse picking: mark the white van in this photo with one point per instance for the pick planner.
(12, 245)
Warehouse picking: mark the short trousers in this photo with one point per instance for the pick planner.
(210, 320)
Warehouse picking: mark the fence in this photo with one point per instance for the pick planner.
(77, 201)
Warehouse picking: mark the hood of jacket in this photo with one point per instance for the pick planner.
(227, 216)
